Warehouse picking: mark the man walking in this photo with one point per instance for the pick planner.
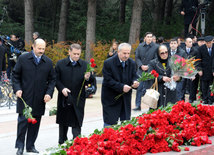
(34, 81)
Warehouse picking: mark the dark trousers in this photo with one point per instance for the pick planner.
(206, 91)
(192, 31)
(11, 65)
(63, 130)
(193, 88)
(30, 129)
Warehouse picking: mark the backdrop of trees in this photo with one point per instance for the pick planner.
(89, 21)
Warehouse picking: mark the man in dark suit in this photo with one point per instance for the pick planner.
(33, 80)
(175, 50)
(191, 52)
(195, 81)
(144, 53)
(189, 11)
(206, 67)
(119, 77)
(71, 73)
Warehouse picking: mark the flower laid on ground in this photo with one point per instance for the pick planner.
(163, 130)
(183, 67)
(90, 68)
(144, 77)
(27, 113)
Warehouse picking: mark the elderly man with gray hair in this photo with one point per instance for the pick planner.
(119, 77)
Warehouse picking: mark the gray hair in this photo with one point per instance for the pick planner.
(36, 33)
(39, 41)
(122, 45)
(75, 46)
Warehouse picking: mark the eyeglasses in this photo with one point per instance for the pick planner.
(164, 53)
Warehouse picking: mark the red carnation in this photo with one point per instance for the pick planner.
(34, 121)
(186, 149)
(156, 75)
(153, 72)
(29, 120)
(92, 60)
(211, 94)
(93, 65)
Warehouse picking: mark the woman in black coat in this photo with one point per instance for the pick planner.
(161, 66)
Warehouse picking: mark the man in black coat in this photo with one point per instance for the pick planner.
(33, 80)
(71, 73)
(144, 53)
(189, 11)
(119, 77)
(206, 67)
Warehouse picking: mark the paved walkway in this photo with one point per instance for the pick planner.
(48, 135)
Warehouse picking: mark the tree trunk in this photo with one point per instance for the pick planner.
(63, 21)
(122, 11)
(28, 20)
(168, 11)
(91, 26)
(159, 10)
(134, 33)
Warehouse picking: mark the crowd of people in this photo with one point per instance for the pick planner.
(34, 79)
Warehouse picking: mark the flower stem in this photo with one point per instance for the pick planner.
(78, 98)
(23, 101)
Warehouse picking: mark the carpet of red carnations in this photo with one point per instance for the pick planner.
(160, 131)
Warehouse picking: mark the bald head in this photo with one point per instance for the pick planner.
(39, 47)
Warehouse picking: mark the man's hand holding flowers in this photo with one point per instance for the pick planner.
(126, 88)
(19, 93)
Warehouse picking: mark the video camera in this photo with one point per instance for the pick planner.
(204, 5)
(14, 52)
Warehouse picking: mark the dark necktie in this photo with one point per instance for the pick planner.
(74, 63)
(210, 51)
(123, 64)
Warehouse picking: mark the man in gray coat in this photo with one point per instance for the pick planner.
(144, 53)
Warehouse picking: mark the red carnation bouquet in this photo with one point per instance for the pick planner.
(27, 113)
(90, 68)
(145, 76)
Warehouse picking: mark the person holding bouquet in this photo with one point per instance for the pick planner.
(119, 77)
(33, 80)
(161, 66)
(72, 77)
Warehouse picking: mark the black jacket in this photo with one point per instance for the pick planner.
(114, 78)
(206, 64)
(71, 77)
(2, 59)
(35, 81)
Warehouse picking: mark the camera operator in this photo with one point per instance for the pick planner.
(20, 44)
(11, 63)
(189, 11)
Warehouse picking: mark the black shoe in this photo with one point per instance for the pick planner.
(32, 150)
(20, 151)
(137, 109)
